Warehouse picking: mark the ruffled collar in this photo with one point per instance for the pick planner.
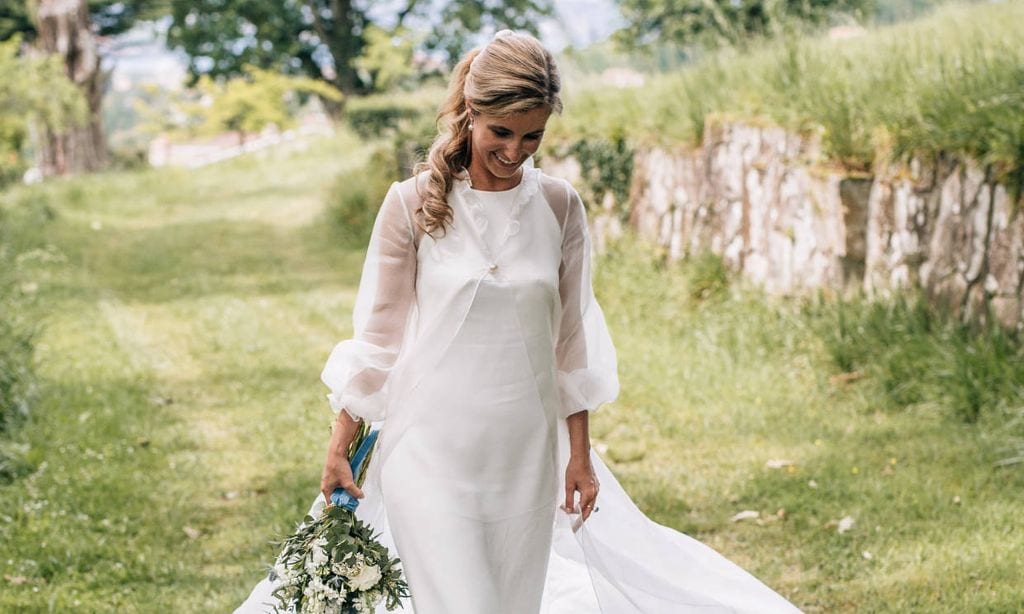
(525, 191)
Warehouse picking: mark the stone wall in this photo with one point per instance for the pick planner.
(767, 202)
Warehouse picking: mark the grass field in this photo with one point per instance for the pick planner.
(181, 423)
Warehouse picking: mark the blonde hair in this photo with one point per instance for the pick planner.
(511, 74)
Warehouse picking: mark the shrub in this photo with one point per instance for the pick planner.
(606, 165)
(356, 197)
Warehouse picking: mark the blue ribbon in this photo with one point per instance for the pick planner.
(340, 496)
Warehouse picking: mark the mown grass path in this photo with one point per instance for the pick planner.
(181, 423)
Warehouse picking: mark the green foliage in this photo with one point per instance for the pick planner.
(919, 355)
(455, 25)
(323, 40)
(406, 119)
(698, 22)
(387, 59)
(356, 196)
(948, 83)
(252, 102)
(606, 165)
(32, 89)
(372, 116)
(111, 17)
(15, 20)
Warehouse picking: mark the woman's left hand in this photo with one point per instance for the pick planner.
(579, 476)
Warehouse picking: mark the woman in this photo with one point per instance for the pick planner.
(479, 350)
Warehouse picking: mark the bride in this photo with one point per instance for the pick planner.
(479, 351)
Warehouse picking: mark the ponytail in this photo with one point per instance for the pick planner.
(450, 151)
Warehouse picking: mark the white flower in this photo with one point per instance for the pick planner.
(367, 578)
(340, 569)
(317, 552)
(315, 605)
(284, 573)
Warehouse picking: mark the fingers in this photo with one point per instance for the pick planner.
(570, 490)
(351, 488)
(345, 482)
(588, 498)
(586, 505)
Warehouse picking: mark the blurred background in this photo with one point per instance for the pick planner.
(809, 250)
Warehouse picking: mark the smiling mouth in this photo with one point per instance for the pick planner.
(505, 161)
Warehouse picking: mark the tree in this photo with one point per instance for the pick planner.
(324, 39)
(715, 22)
(68, 29)
(63, 29)
(33, 91)
(250, 103)
(387, 57)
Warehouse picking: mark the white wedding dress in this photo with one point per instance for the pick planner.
(469, 352)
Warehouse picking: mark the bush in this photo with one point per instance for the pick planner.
(380, 115)
(356, 197)
(606, 165)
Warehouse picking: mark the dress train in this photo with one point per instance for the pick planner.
(617, 562)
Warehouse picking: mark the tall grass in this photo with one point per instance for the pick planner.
(952, 82)
(919, 356)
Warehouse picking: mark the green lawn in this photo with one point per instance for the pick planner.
(181, 423)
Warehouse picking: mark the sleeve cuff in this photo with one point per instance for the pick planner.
(585, 390)
(369, 409)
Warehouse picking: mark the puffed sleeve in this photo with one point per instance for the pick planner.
(586, 364)
(357, 369)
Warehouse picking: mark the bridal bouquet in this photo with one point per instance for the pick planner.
(334, 563)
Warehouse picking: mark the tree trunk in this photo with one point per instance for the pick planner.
(64, 28)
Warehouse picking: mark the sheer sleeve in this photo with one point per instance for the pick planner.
(586, 364)
(357, 369)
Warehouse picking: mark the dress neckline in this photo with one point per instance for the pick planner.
(522, 194)
(506, 191)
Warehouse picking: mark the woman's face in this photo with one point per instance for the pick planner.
(500, 144)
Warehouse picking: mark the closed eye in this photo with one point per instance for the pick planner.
(503, 133)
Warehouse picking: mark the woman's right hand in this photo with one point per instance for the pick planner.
(337, 469)
(338, 472)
